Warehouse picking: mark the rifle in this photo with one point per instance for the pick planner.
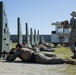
(4, 53)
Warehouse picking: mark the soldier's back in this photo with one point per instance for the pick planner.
(25, 55)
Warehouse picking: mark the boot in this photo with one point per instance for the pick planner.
(70, 61)
(74, 56)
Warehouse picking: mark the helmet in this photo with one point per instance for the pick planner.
(73, 14)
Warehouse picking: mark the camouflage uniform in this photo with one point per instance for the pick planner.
(31, 56)
(44, 48)
(72, 37)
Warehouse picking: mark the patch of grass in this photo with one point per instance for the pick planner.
(64, 52)
(14, 45)
(71, 69)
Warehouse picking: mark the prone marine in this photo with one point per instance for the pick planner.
(28, 55)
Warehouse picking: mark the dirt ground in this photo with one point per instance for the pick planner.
(19, 68)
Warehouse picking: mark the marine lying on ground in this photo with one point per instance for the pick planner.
(45, 47)
(42, 47)
(28, 55)
(37, 48)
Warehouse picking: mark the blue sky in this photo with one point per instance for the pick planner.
(39, 14)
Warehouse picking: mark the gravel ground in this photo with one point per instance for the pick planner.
(19, 68)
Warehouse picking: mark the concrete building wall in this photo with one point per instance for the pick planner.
(14, 38)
